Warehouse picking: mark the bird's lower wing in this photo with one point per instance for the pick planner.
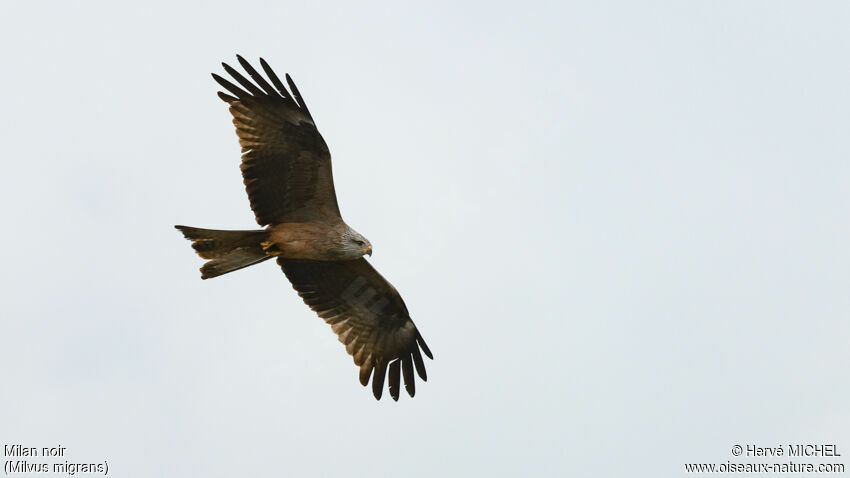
(367, 314)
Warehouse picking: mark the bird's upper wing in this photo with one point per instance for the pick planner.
(369, 316)
(286, 164)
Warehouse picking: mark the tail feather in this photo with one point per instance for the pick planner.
(227, 251)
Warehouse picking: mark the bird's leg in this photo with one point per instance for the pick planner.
(270, 248)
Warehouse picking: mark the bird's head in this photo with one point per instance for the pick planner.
(355, 244)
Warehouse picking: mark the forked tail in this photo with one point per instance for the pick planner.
(227, 251)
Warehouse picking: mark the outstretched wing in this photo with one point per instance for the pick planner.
(286, 164)
(368, 315)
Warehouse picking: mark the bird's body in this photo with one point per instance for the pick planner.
(286, 167)
(314, 241)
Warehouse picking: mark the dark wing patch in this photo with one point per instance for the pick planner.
(286, 165)
(367, 314)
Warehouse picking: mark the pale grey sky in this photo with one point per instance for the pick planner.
(622, 227)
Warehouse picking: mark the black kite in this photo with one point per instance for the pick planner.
(286, 168)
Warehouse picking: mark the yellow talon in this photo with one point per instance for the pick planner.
(270, 248)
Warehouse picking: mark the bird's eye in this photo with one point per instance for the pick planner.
(359, 242)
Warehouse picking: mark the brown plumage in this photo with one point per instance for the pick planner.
(286, 168)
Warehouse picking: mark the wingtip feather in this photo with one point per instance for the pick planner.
(378, 379)
(407, 371)
(424, 346)
(227, 98)
(394, 377)
(419, 364)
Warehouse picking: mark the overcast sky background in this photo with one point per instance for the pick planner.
(622, 228)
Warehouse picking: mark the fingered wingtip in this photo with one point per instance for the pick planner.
(424, 346)
(227, 98)
(220, 80)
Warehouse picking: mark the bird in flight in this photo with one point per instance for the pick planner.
(286, 168)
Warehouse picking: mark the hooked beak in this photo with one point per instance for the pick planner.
(368, 251)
